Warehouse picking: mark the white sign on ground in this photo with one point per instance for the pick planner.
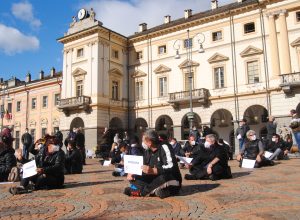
(248, 163)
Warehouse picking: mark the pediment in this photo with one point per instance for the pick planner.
(250, 51)
(115, 71)
(138, 73)
(78, 72)
(188, 63)
(296, 42)
(55, 122)
(162, 69)
(217, 58)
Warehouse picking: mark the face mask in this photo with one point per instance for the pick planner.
(253, 138)
(133, 145)
(206, 144)
(172, 143)
(116, 147)
(55, 148)
(145, 146)
(273, 139)
(193, 143)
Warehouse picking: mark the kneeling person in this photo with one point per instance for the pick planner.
(73, 163)
(161, 175)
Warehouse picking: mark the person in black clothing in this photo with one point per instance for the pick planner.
(161, 175)
(7, 157)
(278, 147)
(134, 147)
(207, 130)
(241, 132)
(50, 164)
(271, 129)
(191, 148)
(73, 163)
(59, 137)
(253, 149)
(175, 146)
(211, 162)
(80, 143)
(27, 142)
(227, 148)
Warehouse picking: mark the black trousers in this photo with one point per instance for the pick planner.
(201, 171)
(42, 181)
(147, 183)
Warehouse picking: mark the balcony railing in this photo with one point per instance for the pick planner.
(290, 81)
(198, 95)
(74, 103)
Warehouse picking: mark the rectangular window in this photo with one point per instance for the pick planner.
(2, 109)
(187, 81)
(217, 36)
(115, 54)
(32, 132)
(252, 71)
(44, 132)
(33, 103)
(80, 52)
(45, 101)
(115, 90)
(162, 49)
(298, 16)
(249, 27)
(163, 89)
(17, 140)
(56, 99)
(79, 88)
(188, 43)
(9, 107)
(139, 55)
(18, 106)
(219, 77)
(139, 90)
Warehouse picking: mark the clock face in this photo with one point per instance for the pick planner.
(81, 13)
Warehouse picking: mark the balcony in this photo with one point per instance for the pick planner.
(74, 103)
(199, 96)
(290, 81)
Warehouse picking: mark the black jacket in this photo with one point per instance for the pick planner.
(73, 161)
(242, 130)
(26, 139)
(7, 161)
(272, 147)
(80, 140)
(188, 148)
(165, 161)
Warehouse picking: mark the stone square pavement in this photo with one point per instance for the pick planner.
(266, 193)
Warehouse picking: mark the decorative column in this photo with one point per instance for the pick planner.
(285, 57)
(273, 46)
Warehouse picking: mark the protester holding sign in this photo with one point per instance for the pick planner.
(161, 175)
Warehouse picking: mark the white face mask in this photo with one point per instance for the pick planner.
(116, 147)
(253, 138)
(133, 145)
(55, 148)
(193, 143)
(39, 146)
(172, 143)
(273, 139)
(206, 144)
(145, 146)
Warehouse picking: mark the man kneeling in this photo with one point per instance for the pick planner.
(161, 175)
(211, 161)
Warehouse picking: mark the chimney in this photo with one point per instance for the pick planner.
(28, 77)
(167, 19)
(142, 27)
(42, 74)
(187, 13)
(52, 72)
(214, 4)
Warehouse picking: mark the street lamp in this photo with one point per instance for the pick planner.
(189, 52)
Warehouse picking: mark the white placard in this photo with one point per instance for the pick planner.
(185, 160)
(89, 153)
(239, 137)
(29, 169)
(4, 183)
(268, 154)
(248, 163)
(133, 164)
(107, 163)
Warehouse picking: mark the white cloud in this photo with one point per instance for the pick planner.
(125, 16)
(12, 41)
(24, 12)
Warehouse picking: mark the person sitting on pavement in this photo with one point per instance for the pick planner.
(211, 162)
(253, 149)
(191, 148)
(73, 161)
(7, 155)
(50, 169)
(175, 146)
(227, 148)
(278, 148)
(134, 147)
(161, 175)
(118, 160)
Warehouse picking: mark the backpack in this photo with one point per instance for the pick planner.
(14, 175)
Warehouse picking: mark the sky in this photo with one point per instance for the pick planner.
(29, 28)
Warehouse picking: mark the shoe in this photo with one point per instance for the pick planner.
(18, 190)
(127, 191)
(133, 193)
(213, 177)
(190, 177)
(115, 173)
(162, 193)
(272, 163)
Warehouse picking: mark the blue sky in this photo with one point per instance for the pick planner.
(29, 28)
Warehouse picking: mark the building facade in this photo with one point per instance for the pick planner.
(249, 67)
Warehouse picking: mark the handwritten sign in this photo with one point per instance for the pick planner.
(133, 164)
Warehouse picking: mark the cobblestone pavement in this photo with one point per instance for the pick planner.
(266, 193)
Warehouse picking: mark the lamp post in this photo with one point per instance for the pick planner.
(189, 52)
